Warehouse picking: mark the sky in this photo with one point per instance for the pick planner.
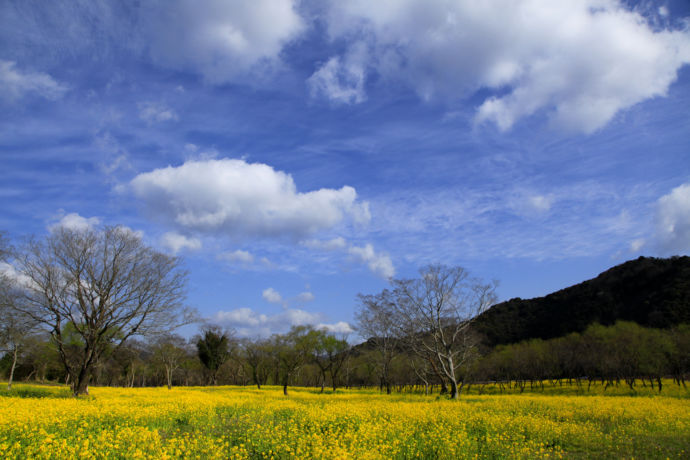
(297, 153)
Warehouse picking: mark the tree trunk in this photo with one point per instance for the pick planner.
(168, 374)
(82, 388)
(256, 378)
(453, 390)
(14, 364)
(81, 383)
(285, 385)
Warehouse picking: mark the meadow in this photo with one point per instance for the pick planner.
(242, 422)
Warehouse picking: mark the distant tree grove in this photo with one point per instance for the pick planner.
(99, 307)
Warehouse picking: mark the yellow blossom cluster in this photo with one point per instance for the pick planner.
(243, 422)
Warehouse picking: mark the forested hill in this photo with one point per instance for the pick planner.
(649, 291)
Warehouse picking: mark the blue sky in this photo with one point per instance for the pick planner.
(296, 153)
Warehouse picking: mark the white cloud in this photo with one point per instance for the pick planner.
(125, 230)
(673, 221)
(334, 244)
(156, 112)
(531, 204)
(15, 84)
(342, 79)
(305, 296)
(272, 296)
(11, 274)
(245, 200)
(176, 242)
(221, 39)
(248, 322)
(341, 327)
(571, 60)
(238, 256)
(637, 244)
(378, 263)
(74, 221)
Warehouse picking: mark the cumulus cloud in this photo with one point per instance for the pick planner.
(341, 327)
(673, 221)
(12, 275)
(14, 83)
(571, 60)
(221, 39)
(272, 296)
(342, 79)
(74, 221)
(237, 256)
(248, 322)
(176, 242)
(378, 263)
(243, 200)
(156, 112)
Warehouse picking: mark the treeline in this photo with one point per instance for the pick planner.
(623, 354)
(302, 356)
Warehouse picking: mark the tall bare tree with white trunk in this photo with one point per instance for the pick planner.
(14, 326)
(434, 313)
(100, 287)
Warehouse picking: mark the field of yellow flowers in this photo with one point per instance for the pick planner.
(243, 422)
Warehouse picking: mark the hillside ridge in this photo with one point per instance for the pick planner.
(653, 292)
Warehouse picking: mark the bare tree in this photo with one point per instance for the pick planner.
(14, 325)
(169, 350)
(376, 321)
(436, 310)
(257, 355)
(105, 286)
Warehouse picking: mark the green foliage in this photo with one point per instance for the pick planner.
(625, 352)
(213, 350)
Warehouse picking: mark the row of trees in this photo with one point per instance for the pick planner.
(97, 305)
(304, 355)
(625, 352)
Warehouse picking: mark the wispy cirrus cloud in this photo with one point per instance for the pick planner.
(16, 83)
